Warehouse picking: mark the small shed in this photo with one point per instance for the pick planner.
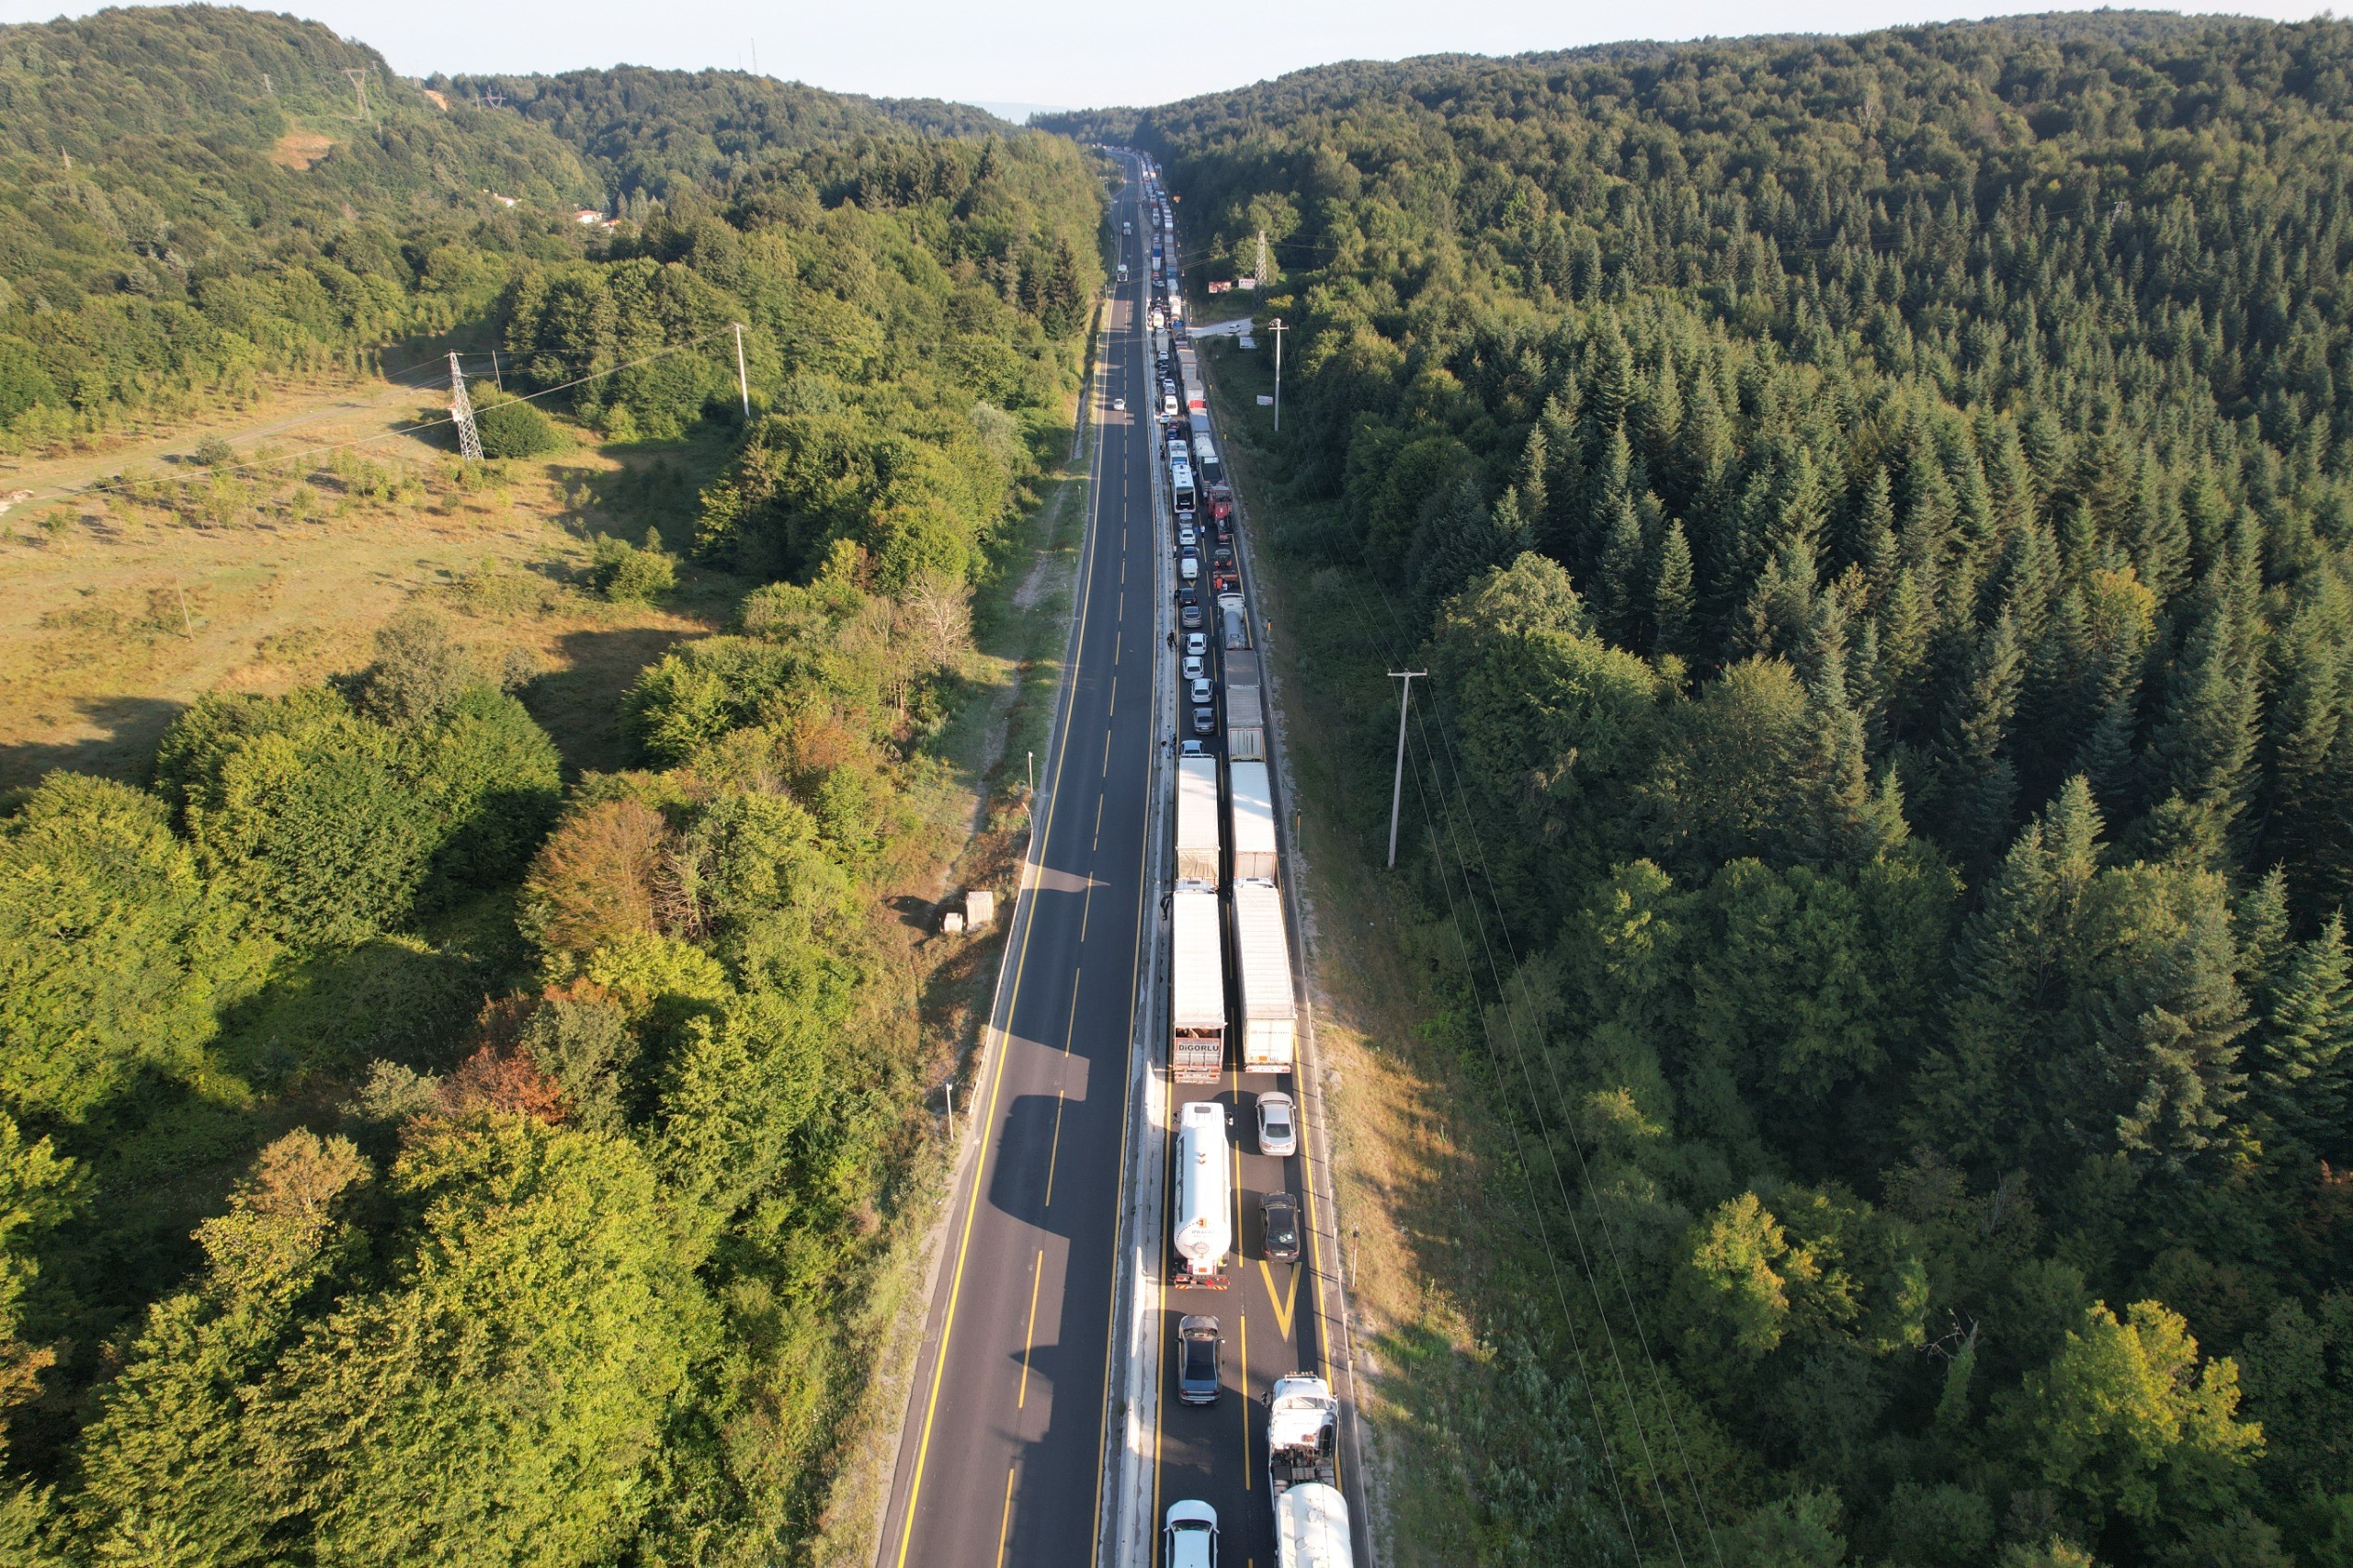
(951, 921)
(980, 909)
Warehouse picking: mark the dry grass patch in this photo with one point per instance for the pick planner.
(127, 603)
(297, 150)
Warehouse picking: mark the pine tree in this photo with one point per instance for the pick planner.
(1671, 601)
(2259, 924)
(1977, 782)
(1975, 1098)
(1529, 479)
(1609, 490)
(2309, 820)
(1617, 594)
(1558, 526)
(1874, 544)
(1609, 379)
(2303, 1050)
(2202, 745)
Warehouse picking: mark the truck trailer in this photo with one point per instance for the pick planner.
(1196, 814)
(1246, 725)
(1196, 988)
(1251, 807)
(1262, 960)
(1201, 1229)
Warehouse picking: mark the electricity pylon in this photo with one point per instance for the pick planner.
(462, 410)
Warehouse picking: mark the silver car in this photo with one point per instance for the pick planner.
(1278, 1129)
(1201, 691)
(1192, 666)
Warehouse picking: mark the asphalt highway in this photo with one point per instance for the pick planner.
(1000, 1462)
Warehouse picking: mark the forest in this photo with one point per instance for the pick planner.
(363, 1072)
(1879, 515)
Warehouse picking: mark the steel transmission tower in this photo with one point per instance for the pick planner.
(461, 409)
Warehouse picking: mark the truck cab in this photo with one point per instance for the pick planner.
(1303, 1471)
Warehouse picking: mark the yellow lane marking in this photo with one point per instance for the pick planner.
(1098, 824)
(997, 1070)
(1286, 1303)
(1030, 1334)
(1085, 908)
(1055, 1153)
(1005, 1523)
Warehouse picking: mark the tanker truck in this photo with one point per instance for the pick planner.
(1311, 1515)
(1203, 1228)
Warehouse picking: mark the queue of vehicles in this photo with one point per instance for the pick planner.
(1227, 916)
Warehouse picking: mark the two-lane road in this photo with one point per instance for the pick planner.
(1000, 1462)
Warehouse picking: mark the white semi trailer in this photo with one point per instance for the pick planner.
(1196, 988)
(1246, 725)
(1197, 813)
(1302, 1473)
(1262, 960)
(1202, 1228)
(1253, 814)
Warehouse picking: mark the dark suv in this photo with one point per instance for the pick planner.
(1197, 1347)
(1279, 1216)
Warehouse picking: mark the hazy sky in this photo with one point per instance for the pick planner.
(1050, 52)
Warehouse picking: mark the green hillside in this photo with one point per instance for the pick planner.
(647, 133)
(189, 198)
(410, 1153)
(1879, 515)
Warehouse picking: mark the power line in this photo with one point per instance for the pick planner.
(117, 481)
(1576, 1144)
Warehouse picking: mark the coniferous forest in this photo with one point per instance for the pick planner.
(411, 1151)
(1878, 513)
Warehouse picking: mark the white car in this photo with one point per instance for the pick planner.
(1201, 691)
(1192, 666)
(1277, 1131)
(1186, 537)
(1191, 1536)
(1118, 405)
(1197, 642)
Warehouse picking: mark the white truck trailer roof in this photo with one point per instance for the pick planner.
(1254, 817)
(1196, 969)
(1196, 814)
(1262, 954)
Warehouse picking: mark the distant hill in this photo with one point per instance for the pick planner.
(140, 149)
(189, 196)
(194, 197)
(1317, 86)
(644, 131)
